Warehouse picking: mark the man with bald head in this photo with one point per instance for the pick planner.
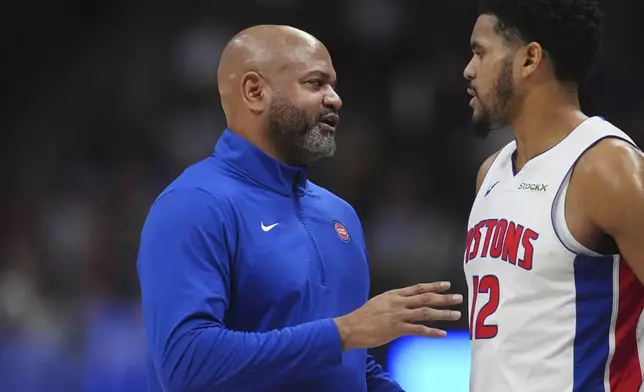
(252, 277)
(295, 120)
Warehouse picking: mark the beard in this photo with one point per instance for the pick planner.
(491, 117)
(297, 138)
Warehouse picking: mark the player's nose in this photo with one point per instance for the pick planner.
(469, 71)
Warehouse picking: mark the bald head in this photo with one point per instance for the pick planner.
(277, 87)
(264, 49)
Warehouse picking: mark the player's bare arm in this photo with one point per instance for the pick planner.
(485, 167)
(608, 185)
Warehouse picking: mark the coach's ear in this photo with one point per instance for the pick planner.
(253, 92)
(532, 56)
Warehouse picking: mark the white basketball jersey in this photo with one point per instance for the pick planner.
(547, 314)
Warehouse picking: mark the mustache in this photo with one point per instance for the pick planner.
(327, 112)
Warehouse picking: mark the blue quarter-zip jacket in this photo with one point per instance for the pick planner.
(243, 263)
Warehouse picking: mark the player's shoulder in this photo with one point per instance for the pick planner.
(608, 181)
(610, 173)
(609, 160)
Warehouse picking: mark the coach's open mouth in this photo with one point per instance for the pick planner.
(330, 119)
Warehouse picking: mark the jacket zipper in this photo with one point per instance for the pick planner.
(296, 199)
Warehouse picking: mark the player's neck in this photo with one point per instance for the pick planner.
(547, 118)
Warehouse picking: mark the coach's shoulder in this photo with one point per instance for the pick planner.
(331, 201)
(199, 193)
(188, 205)
(204, 181)
(325, 195)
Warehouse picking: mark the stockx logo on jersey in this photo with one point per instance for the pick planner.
(500, 239)
(535, 186)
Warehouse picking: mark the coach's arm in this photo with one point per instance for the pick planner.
(611, 176)
(184, 268)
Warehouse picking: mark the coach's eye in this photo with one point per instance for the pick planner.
(315, 83)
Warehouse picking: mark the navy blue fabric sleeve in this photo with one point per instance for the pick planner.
(184, 266)
(378, 380)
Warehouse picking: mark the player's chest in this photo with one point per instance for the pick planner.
(511, 232)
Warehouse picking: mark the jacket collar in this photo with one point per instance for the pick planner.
(258, 166)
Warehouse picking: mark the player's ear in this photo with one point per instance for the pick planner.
(532, 56)
(253, 91)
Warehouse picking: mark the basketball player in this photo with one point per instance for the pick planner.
(555, 246)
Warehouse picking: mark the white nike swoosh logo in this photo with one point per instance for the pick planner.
(269, 228)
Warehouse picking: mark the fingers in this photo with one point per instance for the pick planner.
(432, 300)
(421, 288)
(422, 330)
(429, 314)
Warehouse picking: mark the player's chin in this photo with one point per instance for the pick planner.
(478, 111)
(480, 126)
(478, 119)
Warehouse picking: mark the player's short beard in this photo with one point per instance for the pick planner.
(298, 139)
(491, 117)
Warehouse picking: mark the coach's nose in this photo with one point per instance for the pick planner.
(333, 100)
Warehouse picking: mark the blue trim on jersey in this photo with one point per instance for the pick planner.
(594, 307)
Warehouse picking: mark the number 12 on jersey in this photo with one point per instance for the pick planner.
(488, 284)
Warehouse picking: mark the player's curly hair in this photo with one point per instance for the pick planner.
(569, 31)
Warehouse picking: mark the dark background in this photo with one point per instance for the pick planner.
(106, 103)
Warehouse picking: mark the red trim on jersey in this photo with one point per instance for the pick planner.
(625, 370)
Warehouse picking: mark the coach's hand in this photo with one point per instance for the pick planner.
(396, 313)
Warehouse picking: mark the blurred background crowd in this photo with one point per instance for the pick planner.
(106, 103)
